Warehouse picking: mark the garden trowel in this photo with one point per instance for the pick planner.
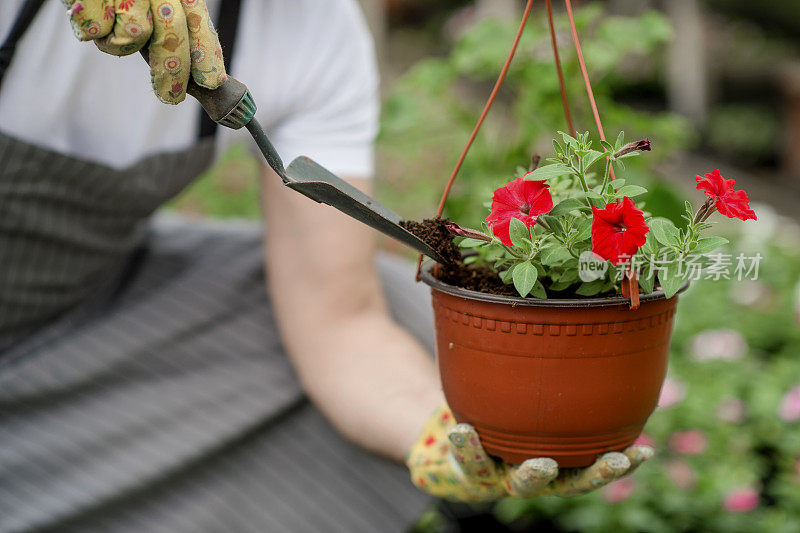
(231, 105)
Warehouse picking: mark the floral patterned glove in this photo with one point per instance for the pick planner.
(448, 461)
(182, 39)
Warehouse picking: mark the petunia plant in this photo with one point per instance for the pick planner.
(572, 228)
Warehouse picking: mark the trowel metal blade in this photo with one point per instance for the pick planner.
(316, 182)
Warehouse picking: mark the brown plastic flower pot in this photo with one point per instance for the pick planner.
(566, 379)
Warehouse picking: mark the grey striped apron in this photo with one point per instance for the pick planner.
(143, 386)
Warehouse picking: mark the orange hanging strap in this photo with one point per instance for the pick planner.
(561, 83)
(485, 112)
(589, 91)
(630, 282)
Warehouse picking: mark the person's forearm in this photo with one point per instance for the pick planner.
(372, 380)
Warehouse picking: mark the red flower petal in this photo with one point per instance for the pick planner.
(729, 202)
(520, 199)
(736, 204)
(502, 230)
(618, 230)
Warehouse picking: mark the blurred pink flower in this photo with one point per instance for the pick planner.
(645, 440)
(681, 474)
(691, 442)
(789, 410)
(725, 344)
(732, 410)
(619, 490)
(741, 500)
(673, 392)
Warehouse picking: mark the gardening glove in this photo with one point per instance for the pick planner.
(449, 462)
(181, 34)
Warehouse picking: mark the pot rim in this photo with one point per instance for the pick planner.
(514, 301)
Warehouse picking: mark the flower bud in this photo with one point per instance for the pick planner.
(455, 229)
(640, 146)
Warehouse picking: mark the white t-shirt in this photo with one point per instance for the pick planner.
(309, 65)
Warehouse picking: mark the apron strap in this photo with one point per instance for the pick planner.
(227, 26)
(21, 24)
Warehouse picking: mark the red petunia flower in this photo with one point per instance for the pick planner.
(618, 230)
(731, 203)
(520, 199)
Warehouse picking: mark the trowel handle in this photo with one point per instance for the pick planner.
(219, 103)
(231, 105)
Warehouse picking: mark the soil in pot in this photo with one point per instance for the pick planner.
(433, 231)
(475, 278)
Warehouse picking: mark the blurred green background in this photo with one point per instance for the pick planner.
(714, 84)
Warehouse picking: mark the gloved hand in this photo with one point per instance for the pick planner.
(181, 34)
(448, 461)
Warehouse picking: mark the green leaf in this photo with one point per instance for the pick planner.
(650, 246)
(554, 224)
(618, 183)
(592, 288)
(561, 284)
(538, 290)
(524, 276)
(593, 195)
(593, 157)
(548, 171)
(584, 229)
(505, 275)
(493, 253)
(554, 255)
(709, 244)
(670, 278)
(620, 141)
(647, 279)
(519, 233)
(570, 273)
(470, 243)
(631, 190)
(664, 231)
(569, 140)
(565, 206)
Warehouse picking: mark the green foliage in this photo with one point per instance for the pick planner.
(579, 178)
(431, 110)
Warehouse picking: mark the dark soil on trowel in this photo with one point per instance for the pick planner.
(433, 231)
(476, 278)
